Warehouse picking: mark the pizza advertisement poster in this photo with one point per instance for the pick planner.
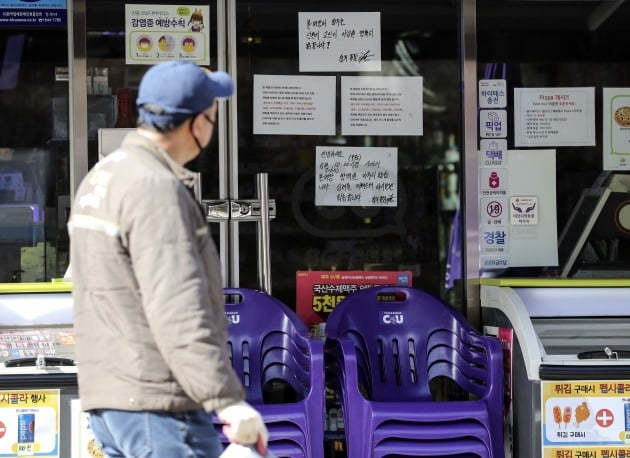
(318, 292)
(616, 129)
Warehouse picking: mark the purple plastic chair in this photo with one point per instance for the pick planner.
(383, 347)
(269, 345)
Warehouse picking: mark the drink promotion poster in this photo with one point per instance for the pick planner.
(29, 423)
(589, 418)
(156, 33)
(318, 292)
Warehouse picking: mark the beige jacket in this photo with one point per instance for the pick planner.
(148, 304)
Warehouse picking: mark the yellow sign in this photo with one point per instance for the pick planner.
(29, 423)
(586, 419)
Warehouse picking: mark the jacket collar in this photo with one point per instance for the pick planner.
(186, 176)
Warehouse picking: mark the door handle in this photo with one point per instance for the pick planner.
(239, 210)
(261, 211)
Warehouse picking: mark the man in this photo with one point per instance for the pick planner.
(147, 289)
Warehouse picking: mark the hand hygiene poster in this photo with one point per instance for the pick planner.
(294, 105)
(156, 33)
(381, 105)
(616, 135)
(339, 42)
(356, 176)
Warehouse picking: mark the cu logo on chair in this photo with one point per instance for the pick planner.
(392, 318)
(232, 318)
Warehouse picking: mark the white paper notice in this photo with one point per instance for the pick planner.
(562, 116)
(616, 135)
(381, 105)
(340, 42)
(518, 226)
(356, 176)
(294, 105)
(156, 33)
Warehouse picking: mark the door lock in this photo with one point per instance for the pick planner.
(240, 210)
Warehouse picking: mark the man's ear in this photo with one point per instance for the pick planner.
(196, 123)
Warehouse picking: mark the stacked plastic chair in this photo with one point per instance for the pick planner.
(270, 345)
(383, 347)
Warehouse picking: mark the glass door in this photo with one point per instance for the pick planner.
(300, 56)
(261, 42)
(123, 39)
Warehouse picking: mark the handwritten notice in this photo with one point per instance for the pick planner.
(616, 134)
(554, 116)
(356, 176)
(294, 105)
(387, 105)
(340, 42)
(155, 33)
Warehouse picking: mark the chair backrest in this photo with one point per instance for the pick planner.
(267, 342)
(404, 337)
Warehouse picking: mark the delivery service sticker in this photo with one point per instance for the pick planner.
(29, 423)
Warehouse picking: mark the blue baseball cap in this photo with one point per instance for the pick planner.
(173, 91)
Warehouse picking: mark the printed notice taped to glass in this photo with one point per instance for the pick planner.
(157, 33)
(340, 42)
(381, 105)
(559, 116)
(356, 176)
(294, 105)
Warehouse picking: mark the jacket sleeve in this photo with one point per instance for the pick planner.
(182, 297)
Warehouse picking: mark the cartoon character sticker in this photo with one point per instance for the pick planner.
(144, 43)
(166, 43)
(196, 21)
(189, 44)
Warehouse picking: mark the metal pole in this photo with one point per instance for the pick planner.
(470, 199)
(264, 260)
(77, 75)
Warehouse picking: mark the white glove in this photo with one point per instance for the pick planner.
(244, 425)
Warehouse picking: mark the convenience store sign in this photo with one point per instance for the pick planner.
(29, 13)
(586, 418)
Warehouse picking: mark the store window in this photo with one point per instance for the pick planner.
(34, 147)
(566, 68)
